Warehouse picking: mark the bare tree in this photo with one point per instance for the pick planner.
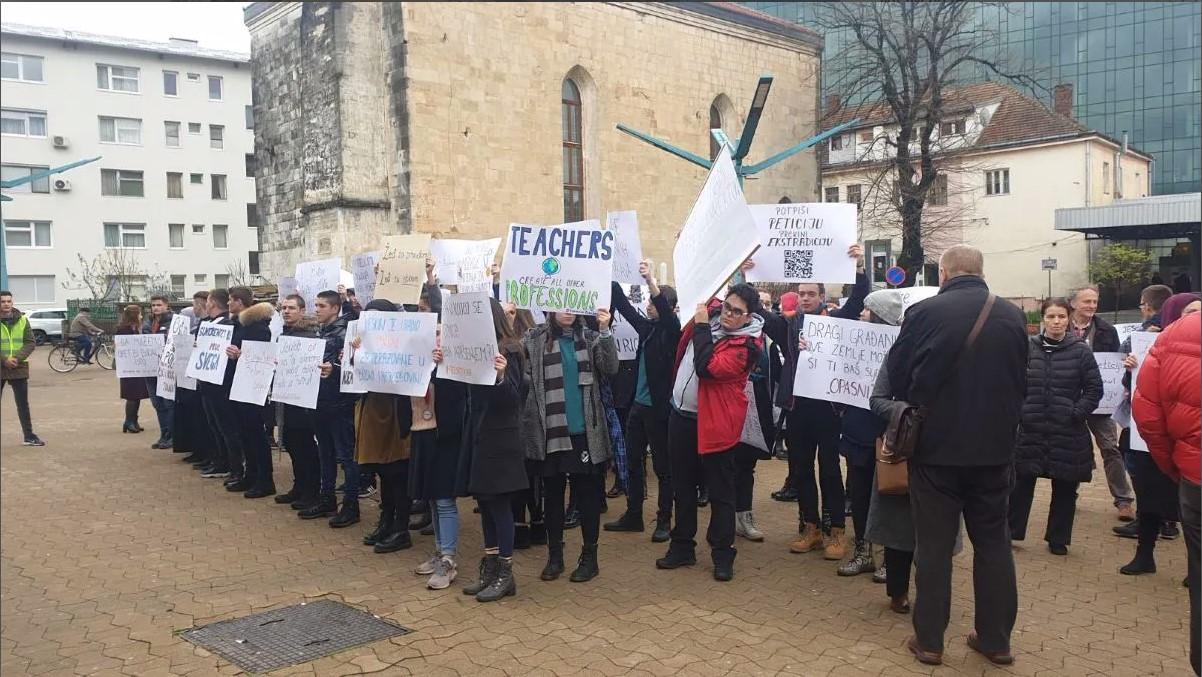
(113, 274)
(238, 273)
(907, 57)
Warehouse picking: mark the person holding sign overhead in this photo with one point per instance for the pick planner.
(133, 390)
(566, 430)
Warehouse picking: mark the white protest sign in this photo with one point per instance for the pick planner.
(165, 382)
(624, 333)
(402, 268)
(753, 432)
(841, 359)
(566, 268)
(628, 247)
(454, 258)
(180, 326)
(395, 354)
(252, 376)
(1111, 367)
(1126, 329)
(137, 355)
(348, 385)
(182, 360)
(208, 360)
(346, 279)
(1141, 343)
(469, 340)
(174, 359)
(718, 236)
(804, 242)
(314, 277)
(475, 268)
(286, 286)
(363, 268)
(912, 295)
(298, 371)
(276, 325)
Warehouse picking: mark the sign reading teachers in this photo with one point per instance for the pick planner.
(1111, 367)
(252, 376)
(208, 360)
(841, 359)
(137, 355)
(402, 268)
(314, 277)
(469, 340)
(717, 237)
(396, 352)
(363, 269)
(566, 268)
(804, 242)
(298, 371)
(628, 248)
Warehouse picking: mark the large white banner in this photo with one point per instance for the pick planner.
(396, 353)
(252, 375)
(717, 237)
(1111, 367)
(628, 247)
(804, 242)
(565, 268)
(208, 360)
(314, 277)
(469, 340)
(298, 371)
(348, 384)
(363, 268)
(1141, 343)
(841, 359)
(137, 355)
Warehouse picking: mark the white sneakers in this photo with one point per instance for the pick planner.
(745, 526)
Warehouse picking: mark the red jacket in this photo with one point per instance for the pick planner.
(1167, 404)
(722, 370)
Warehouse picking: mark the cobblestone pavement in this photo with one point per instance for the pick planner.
(110, 549)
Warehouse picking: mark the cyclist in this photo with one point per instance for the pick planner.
(82, 330)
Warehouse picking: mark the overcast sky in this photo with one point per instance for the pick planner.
(215, 24)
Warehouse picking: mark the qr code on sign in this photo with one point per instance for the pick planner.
(799, 263)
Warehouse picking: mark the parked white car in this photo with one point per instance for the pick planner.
(47, 324)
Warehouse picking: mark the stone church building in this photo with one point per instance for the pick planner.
(458, 119)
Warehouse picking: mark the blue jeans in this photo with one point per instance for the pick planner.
(85, 347)
(163, 408)
(446, 525)
(336, 446)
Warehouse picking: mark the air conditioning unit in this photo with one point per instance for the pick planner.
(62, 185)
(60, 141)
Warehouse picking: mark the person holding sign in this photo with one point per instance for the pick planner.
(133, 390)
(219, 411)
(1063, 388)
(566, 430)
(299, 424)
(714, 359)
(253, 324)
(159, 322)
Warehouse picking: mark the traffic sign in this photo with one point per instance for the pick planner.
(895, 275)
(1049, 264)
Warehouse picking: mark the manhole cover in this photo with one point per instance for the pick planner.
(292, 635)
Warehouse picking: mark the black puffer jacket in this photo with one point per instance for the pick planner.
(1063, 387)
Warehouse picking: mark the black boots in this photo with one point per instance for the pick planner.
(627, 522)
(724, 564)
(663, 530)
(521, 537)
(538, 533)
(394, 541)
(489, 566)
(348, 514)
(587, 567)
(289, 496)
(261, 491)
(502, 585)
(324, 507)
(554, 567)
(676, 558)
(383, 528)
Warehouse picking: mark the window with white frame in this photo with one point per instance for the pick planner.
(832, 194)
(997, 182)
(200, 278)
(23, 67)
(10, 172)
(221, 280)
(194, 77)
(216, 136)
(955, 127)
(839, 141)
(117, 78)
(193, 127)
(127, 131)
(175, 235)
(198, 228)
(217, 187)
(215, 88)
(125, 235)
(170, 83)
(175, 185)
(177, 286)
(197, 179)
(221, 236)
(28, 234)
(14, 122)
(172, 131)
(122, 183)
(32, 288)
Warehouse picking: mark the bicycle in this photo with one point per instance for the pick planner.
(65, 357)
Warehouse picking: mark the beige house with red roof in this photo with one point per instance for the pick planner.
(1006, 163)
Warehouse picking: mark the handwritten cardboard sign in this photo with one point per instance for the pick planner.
(565, 268)
(402, 268)
(363, 269)
(298, 371)
(348, 384)
(396, 352)
(137, 355)
(208, 360)
(469, 340)
(841, 359)
(314, 277)
(1111, 367)
(628, 247)
(253, 373)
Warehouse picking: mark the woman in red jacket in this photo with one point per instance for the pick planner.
(1167, 407)
(716, 354)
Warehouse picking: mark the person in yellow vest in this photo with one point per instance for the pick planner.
(16, 345)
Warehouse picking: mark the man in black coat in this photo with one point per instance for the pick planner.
(226, 458)
(253, 324)
(964, 460)
(647, 423)
(1102, 337)
(298, 424)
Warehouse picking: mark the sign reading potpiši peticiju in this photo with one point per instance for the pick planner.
(565, 268)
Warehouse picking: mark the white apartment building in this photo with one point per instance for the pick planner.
(173, 191)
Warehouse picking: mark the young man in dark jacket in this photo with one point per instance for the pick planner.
(16, 345)
(253, 324)
(299, 424)
(159, 322)
(647, 423)
(225, 461)
(964, 460)
(1102, 337)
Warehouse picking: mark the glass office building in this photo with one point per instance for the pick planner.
(1134, 67)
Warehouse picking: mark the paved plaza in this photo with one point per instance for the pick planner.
(111, 549)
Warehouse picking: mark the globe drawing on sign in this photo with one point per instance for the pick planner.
(550, 265)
